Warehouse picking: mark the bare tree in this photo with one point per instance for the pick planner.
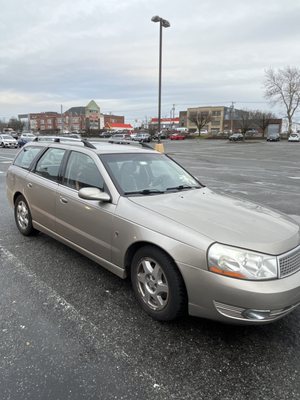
(245, 121)
(200, 119)
(15, 124)
(2, 125)
(263, 119)
(283, 87)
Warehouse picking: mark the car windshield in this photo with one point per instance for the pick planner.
(145, 174)
(9, 137)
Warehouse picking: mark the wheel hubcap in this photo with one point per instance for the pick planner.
(152, 284)
(22, 215)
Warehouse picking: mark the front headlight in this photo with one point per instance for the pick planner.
(241, 263)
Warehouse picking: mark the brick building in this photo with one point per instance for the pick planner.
(45, 122)
(76, 119)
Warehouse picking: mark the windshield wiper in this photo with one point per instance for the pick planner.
(145, 191)
(183, 187)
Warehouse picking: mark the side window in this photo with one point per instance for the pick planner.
(49, 164)
(26, 156)
(82, 172)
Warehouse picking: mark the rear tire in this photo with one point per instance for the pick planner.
(158, 284)
(23, 217)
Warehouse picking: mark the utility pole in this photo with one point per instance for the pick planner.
(62, 119)
(173, 109)
(231, 116)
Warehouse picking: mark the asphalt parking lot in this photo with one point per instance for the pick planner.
(71, 330)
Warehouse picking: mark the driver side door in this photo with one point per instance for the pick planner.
(86, 223)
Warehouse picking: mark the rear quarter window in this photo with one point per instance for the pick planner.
(26, 156)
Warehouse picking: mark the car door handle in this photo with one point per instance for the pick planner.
(63, 200)
(29, 185)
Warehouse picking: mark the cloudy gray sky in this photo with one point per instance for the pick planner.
(68, 52)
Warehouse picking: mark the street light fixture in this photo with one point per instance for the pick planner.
(163, 23)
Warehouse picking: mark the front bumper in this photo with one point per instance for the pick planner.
(252, 315)
(233, 300)
(11, 145)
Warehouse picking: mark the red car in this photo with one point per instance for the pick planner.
(177, 136)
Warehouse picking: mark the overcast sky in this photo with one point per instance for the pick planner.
(68, 52)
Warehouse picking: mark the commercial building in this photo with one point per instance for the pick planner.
(165, 123)
(76, 119)
(220, 119)
(117, 127)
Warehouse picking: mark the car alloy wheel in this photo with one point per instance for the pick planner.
(152, 284)
(23, 217)
(158, 284)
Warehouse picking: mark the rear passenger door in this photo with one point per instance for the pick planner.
(87, 223)
(42, 183)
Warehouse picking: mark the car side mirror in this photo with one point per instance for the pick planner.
(92, 193)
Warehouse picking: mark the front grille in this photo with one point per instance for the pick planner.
(289, 263)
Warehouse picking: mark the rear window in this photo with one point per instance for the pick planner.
(26, 156)
(49, 164)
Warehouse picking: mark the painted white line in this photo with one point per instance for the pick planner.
(6, 158)
(51, 297)
(5, 162)
(90, 332)
(294, 177)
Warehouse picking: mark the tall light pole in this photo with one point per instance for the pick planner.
(163, 23)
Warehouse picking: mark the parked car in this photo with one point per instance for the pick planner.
(251, 133)
(236, 137)
(133, 135)
(105, 134)
(162, 135)
(273, 137)
(25, 138)
(72, 135)
(294, 137)
(14, 134)
(120, 138)
(142, 137)
(177, 136)
(141, 215)
(8, 141)
(11, 132)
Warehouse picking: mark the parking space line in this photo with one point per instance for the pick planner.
(6, 158)
(51, 300)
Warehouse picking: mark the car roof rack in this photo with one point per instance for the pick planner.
(88, 144)
(85, 142)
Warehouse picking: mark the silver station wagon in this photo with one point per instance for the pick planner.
(141, 215)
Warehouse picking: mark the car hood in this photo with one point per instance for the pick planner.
(226, 219)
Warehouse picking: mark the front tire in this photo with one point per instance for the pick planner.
(23, 217)
(157, 284)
